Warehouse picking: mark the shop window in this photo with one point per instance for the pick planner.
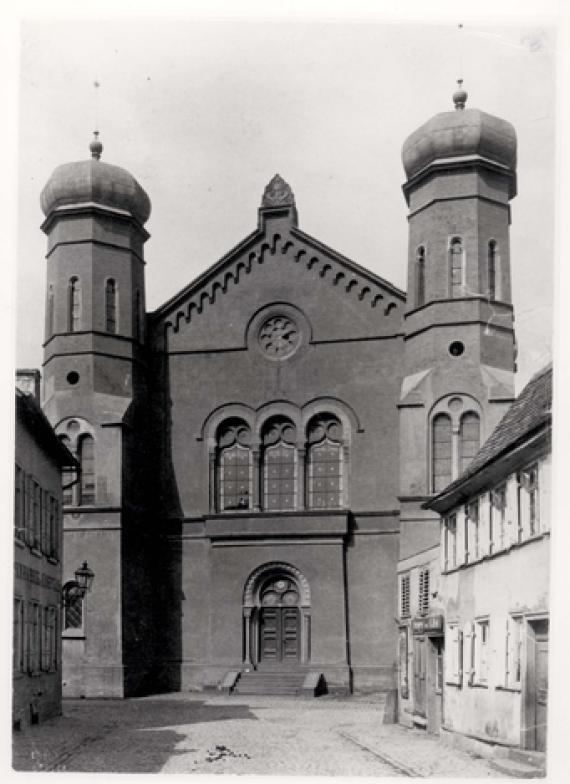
(456, 268)
(279, 465)
(423, 592)
(324, 462)
(234, 466)
(481, 646)
(110, 306)
(441, 452)
(405, 595)
(514, 644)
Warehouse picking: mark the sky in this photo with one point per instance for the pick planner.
(204, 112)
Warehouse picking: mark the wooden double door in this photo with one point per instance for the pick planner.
(279, 635)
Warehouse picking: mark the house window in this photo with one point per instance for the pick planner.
(86, 457)
(473, 532)
(74, 305)
(497, 516)
(420, 276)
(19, 518)
(18, 637)
(279, 465)
(48, 638)
(405, 596)
(441, 452)
(481, 645)
(514, 645)
(423, 594)
(469, 437)
(453, 664)
(324, 462)
(36, 515)
(492, 269)
(33, 637)
(528, 510)
(456, 268)
(234, 466)
(450, 542)
(110, 306)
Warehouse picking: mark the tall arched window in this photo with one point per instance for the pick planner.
(73, 609)
(67, 477)
(86, 457)
(74, 305)
(441, 452)
(456, 268)
(110, 306)
(279, 465)
(492, 268)
(50, 312)
(234, 466)
(469, 439)
(324, 463)
(420, 276)
(137, 315)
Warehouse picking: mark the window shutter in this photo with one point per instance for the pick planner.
(452, 659)
(468, 640)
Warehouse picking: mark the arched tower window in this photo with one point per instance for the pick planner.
(73, 610)
(456, 268)
(110, 306)
(492, 269)
(74, 305)
(442, 463)
(234, 466)
(67, 476)
(420, 276)
(137, 315)
(324, 462)
(50, 312)
(86, 457)
(279, 465)
(469, 439)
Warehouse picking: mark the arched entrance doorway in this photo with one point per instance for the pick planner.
(276, 617)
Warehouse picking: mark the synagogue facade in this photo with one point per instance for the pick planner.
(256, 453)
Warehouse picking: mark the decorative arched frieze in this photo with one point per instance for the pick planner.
(252, 585)
(344, 412)
(278, 408)
(219, 415)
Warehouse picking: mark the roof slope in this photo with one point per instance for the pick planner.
(531, 410)
(31, 415)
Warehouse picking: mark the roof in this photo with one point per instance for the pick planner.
(530, 413)
(31, 415)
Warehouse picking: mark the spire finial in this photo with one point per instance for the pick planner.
(96, 147)
(459, 96)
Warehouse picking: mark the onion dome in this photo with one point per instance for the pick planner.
(94, 182)
(460, 133)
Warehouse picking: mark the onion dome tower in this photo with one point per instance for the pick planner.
(459, 341)
(95, 392)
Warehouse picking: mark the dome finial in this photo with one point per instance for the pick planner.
(459, 96)
(96, 146)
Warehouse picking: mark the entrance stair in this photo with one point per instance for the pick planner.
(521, 764)
(279, 683)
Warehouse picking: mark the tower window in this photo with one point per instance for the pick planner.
(86, 456)
(137, 315)
(50, 312)
(441, 452)
(111, 306)
(469, 439)
(74, 305)
(492, 269)
(420, 276)
(456, 268)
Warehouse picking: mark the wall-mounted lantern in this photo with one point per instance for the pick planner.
(78, 587)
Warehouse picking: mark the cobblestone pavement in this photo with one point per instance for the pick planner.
(191, 733)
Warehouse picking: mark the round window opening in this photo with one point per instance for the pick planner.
(279, 337)
(457, 348)
(72, 378)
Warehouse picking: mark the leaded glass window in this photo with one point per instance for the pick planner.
(469, 439)
(325, 463)
(441, 452)
(234, 466)
(279, 465)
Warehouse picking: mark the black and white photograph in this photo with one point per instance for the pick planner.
(284, 302)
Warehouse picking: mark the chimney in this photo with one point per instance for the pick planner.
(28, 382)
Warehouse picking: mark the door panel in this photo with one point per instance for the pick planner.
(279, 634)
(290, 629)
(420, 676)
(541, 691)
(270, 634)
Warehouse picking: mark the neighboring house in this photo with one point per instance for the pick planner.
(40, 459)
(494, 584)
(255, 453)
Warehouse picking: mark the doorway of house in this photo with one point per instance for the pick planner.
(420, 680)
(536, 697)
(279, 622)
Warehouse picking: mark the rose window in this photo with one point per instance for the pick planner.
(279, 336)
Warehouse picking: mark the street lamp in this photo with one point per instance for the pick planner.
(77, 588)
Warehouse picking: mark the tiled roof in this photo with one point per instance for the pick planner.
(531, 409)
(31, 415)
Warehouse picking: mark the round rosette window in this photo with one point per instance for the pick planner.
(279, 336)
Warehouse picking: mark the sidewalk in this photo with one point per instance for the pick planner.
(204, 733)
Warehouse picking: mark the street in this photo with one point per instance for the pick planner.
(205, 734)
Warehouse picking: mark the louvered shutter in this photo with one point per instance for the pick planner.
(468, 641)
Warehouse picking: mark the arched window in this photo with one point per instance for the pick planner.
(137, 315)
(73, 609)
(420, 276)
(469, 439)
(456, 268)
(86, 457)
(50, 312)
(441, 452)
(492, 269)
(234, 466)
(74, 305)
(324, 463)
(67, 477)
(279, 465)
(110, 306)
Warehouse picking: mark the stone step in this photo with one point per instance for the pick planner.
(516, 769)
(536, 758)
